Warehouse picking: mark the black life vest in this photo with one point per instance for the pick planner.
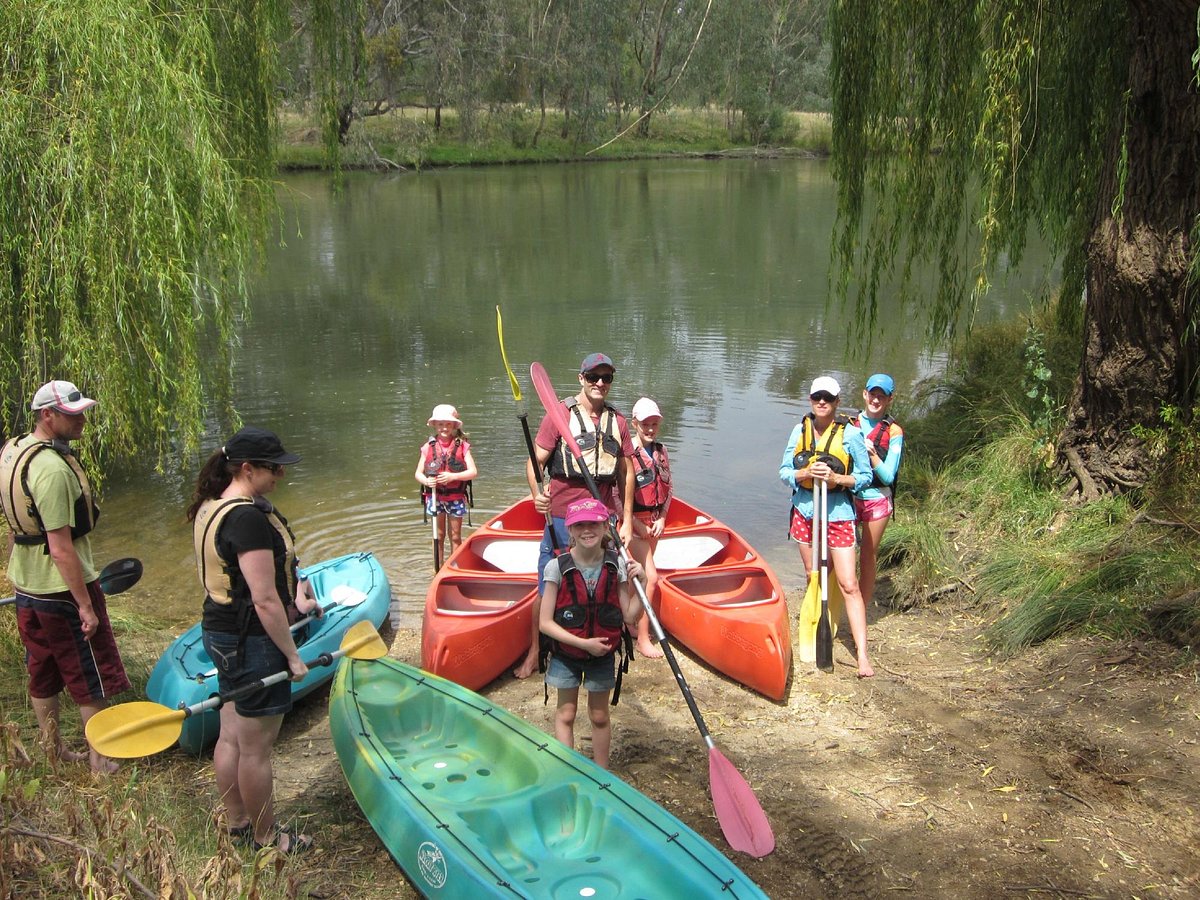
(599, 445)
(452, 460)
(588, 614)
(834, 454)
(651, 482)
(19, 508)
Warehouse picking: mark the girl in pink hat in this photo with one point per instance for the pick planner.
(587, 602)
(445, 468)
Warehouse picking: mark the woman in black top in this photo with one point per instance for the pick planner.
(247, 564)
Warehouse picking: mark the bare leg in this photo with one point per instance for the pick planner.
(46, 709)
(441, 532)
(872, 534)
(456, 523)
(642, 551)
(99, 762)
(856, 610)
(225, 766)
(598, 712)
(530, 663)
(564, 716)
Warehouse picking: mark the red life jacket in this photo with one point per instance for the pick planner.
(452, 460)
(588, 614)
(881, 437)
(651, 481)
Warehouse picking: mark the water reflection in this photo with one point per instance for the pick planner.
(705, 281)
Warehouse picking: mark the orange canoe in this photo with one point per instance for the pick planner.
(718, 598)
(479, 607)
(722, 601)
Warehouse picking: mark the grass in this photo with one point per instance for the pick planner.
(406, 138)
(983, 510)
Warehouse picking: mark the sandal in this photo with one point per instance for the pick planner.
(297, 843)
(242, 834)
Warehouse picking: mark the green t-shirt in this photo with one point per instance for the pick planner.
(55, 489)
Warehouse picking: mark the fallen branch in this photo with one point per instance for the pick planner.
(118, 868)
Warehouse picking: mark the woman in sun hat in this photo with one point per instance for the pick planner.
(446, 468)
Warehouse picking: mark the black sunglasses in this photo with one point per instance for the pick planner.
(275, 468)
(593, 377)
(822, 397)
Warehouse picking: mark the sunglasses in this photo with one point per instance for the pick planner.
(593, 377)
(822, 397)
(273, 468)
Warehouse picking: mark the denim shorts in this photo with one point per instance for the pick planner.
(599, 673)
(259, 657)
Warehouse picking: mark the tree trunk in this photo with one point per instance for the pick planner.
(1139, 350)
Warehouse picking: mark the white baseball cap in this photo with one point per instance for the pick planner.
(827, 384)
(63, 396)
(646, 409)
(444, 412)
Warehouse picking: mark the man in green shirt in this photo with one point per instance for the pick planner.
(61, 612)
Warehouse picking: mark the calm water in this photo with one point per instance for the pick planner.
(705, 281)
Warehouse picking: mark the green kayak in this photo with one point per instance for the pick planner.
(473, 802)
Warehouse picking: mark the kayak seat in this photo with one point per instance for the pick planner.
(480, 596)
(726, 588)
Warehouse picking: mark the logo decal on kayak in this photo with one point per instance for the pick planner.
(734, 638)
(432, 864)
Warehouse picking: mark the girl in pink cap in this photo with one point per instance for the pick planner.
(587, 601)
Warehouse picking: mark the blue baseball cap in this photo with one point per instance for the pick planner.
(883, 382)
(595, 361)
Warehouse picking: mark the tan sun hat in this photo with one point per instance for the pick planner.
(444, 412)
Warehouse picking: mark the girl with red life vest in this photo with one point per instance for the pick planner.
(827, 447)
(651, 498)
(586, 600)
(444, 468)
(874, 503)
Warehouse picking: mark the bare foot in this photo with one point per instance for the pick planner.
(649, 650)
(527, 667)
(865, 670)
(71, 756)
(102, 765)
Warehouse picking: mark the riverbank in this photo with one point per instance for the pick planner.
(407, 139)
(950, 774)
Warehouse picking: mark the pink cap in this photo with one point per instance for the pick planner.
(586, 511)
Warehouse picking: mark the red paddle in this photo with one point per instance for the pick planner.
(739, 813)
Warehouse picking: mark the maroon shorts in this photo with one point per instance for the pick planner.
(56, 653)
(841, 534)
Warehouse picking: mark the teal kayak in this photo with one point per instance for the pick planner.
(472, 801)
(356, 587)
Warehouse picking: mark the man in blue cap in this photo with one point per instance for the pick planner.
(603, 436)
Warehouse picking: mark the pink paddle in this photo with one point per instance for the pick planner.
(739, 813)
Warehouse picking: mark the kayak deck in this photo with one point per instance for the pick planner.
(471, 800)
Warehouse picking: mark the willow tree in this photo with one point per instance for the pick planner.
(1078, 117)
(136, 137)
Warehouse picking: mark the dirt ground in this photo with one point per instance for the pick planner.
(1070, 771)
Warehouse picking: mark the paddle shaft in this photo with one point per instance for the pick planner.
(112, 581)
(437, 538)
(824, 630)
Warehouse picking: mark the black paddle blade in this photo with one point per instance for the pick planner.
(120, 575)
(824, 641)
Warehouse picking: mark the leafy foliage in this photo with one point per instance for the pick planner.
(989, 114)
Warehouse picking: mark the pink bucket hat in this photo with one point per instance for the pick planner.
(586, 511)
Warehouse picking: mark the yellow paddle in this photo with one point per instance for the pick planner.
(143, 728)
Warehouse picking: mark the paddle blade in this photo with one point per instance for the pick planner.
(120, 575)
(837, 606)
(362, 641)
(554, 409)
(134, 729)
(512, 379)
(806, 626)
(824, 641)
(739, 813)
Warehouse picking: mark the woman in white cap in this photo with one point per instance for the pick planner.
(651, 498)
(825, 447)
(443, 470)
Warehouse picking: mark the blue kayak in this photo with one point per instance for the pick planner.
(185, 675)
(473, 802)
